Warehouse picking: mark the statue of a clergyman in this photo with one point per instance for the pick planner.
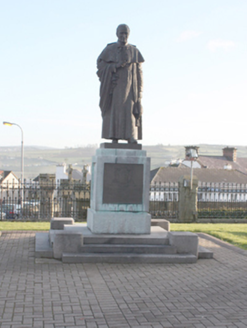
(120, 74)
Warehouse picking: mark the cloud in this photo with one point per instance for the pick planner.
(188, 35)
(213, 45)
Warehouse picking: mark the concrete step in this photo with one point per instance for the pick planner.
(126, 240)
(138, 249)
(42, 245)
(128, 258)
(204, 253)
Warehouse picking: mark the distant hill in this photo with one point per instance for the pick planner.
(44, 159)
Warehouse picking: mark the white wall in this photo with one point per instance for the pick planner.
(61, 173)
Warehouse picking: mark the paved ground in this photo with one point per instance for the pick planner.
(47, 293)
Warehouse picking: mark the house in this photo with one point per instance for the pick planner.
(8, 178)
(228, 160)
(214, 184)
(9, 186)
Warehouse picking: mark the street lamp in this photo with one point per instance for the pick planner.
(191, 155)
(22, 150)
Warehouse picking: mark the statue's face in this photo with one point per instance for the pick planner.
(123, 35)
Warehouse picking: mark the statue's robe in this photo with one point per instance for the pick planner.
(120, 90)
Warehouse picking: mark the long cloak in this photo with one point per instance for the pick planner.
(119, 91)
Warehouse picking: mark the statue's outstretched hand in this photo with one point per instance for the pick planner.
(137, 111)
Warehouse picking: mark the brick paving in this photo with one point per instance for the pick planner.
(46, 293)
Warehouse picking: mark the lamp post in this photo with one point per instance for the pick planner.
(191, 155)
(22, 155)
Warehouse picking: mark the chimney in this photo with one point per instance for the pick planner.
(230, 153)
(187, 150)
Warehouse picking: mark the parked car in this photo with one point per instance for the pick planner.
(10, 211)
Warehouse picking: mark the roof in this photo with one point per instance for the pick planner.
(172, 174)
(218, 162)
(153, 173)
(4, 174)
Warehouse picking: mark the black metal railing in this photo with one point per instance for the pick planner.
(163, 209)
(222, 200)
(42, 202)
(227, 210)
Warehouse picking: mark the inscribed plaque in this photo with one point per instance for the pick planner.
(123, 183)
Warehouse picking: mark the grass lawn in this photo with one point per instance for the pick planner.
(22, 226)
(236, 234)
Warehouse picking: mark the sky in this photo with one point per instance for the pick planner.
(195, 70)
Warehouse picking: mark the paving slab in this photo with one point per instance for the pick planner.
(47, 293)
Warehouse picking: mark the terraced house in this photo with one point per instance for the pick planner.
(221, 178)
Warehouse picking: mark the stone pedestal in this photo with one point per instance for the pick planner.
(187, 210)
(119, 190)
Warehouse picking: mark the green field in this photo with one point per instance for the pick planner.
(24, 226)
(44, 160)
(236, 234)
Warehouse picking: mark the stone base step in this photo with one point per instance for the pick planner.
(125, 240)
(204, 253)
(128, 258)
(42, 245)
(137, 249)
(158, 236)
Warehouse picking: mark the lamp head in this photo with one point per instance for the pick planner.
(7, 123)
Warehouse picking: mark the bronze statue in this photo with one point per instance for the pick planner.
(120, 74)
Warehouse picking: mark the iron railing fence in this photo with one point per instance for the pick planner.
(222, 200)
(42, 202)
(163, 209)
(222, 192)
(163, 200)
(225, 210)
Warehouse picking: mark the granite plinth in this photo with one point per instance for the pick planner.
(120, 191)
(118, 222)
(120, 145)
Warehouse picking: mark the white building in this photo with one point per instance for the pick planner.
(62, 172)
(217, 185)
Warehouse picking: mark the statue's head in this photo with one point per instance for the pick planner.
(123, 32)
